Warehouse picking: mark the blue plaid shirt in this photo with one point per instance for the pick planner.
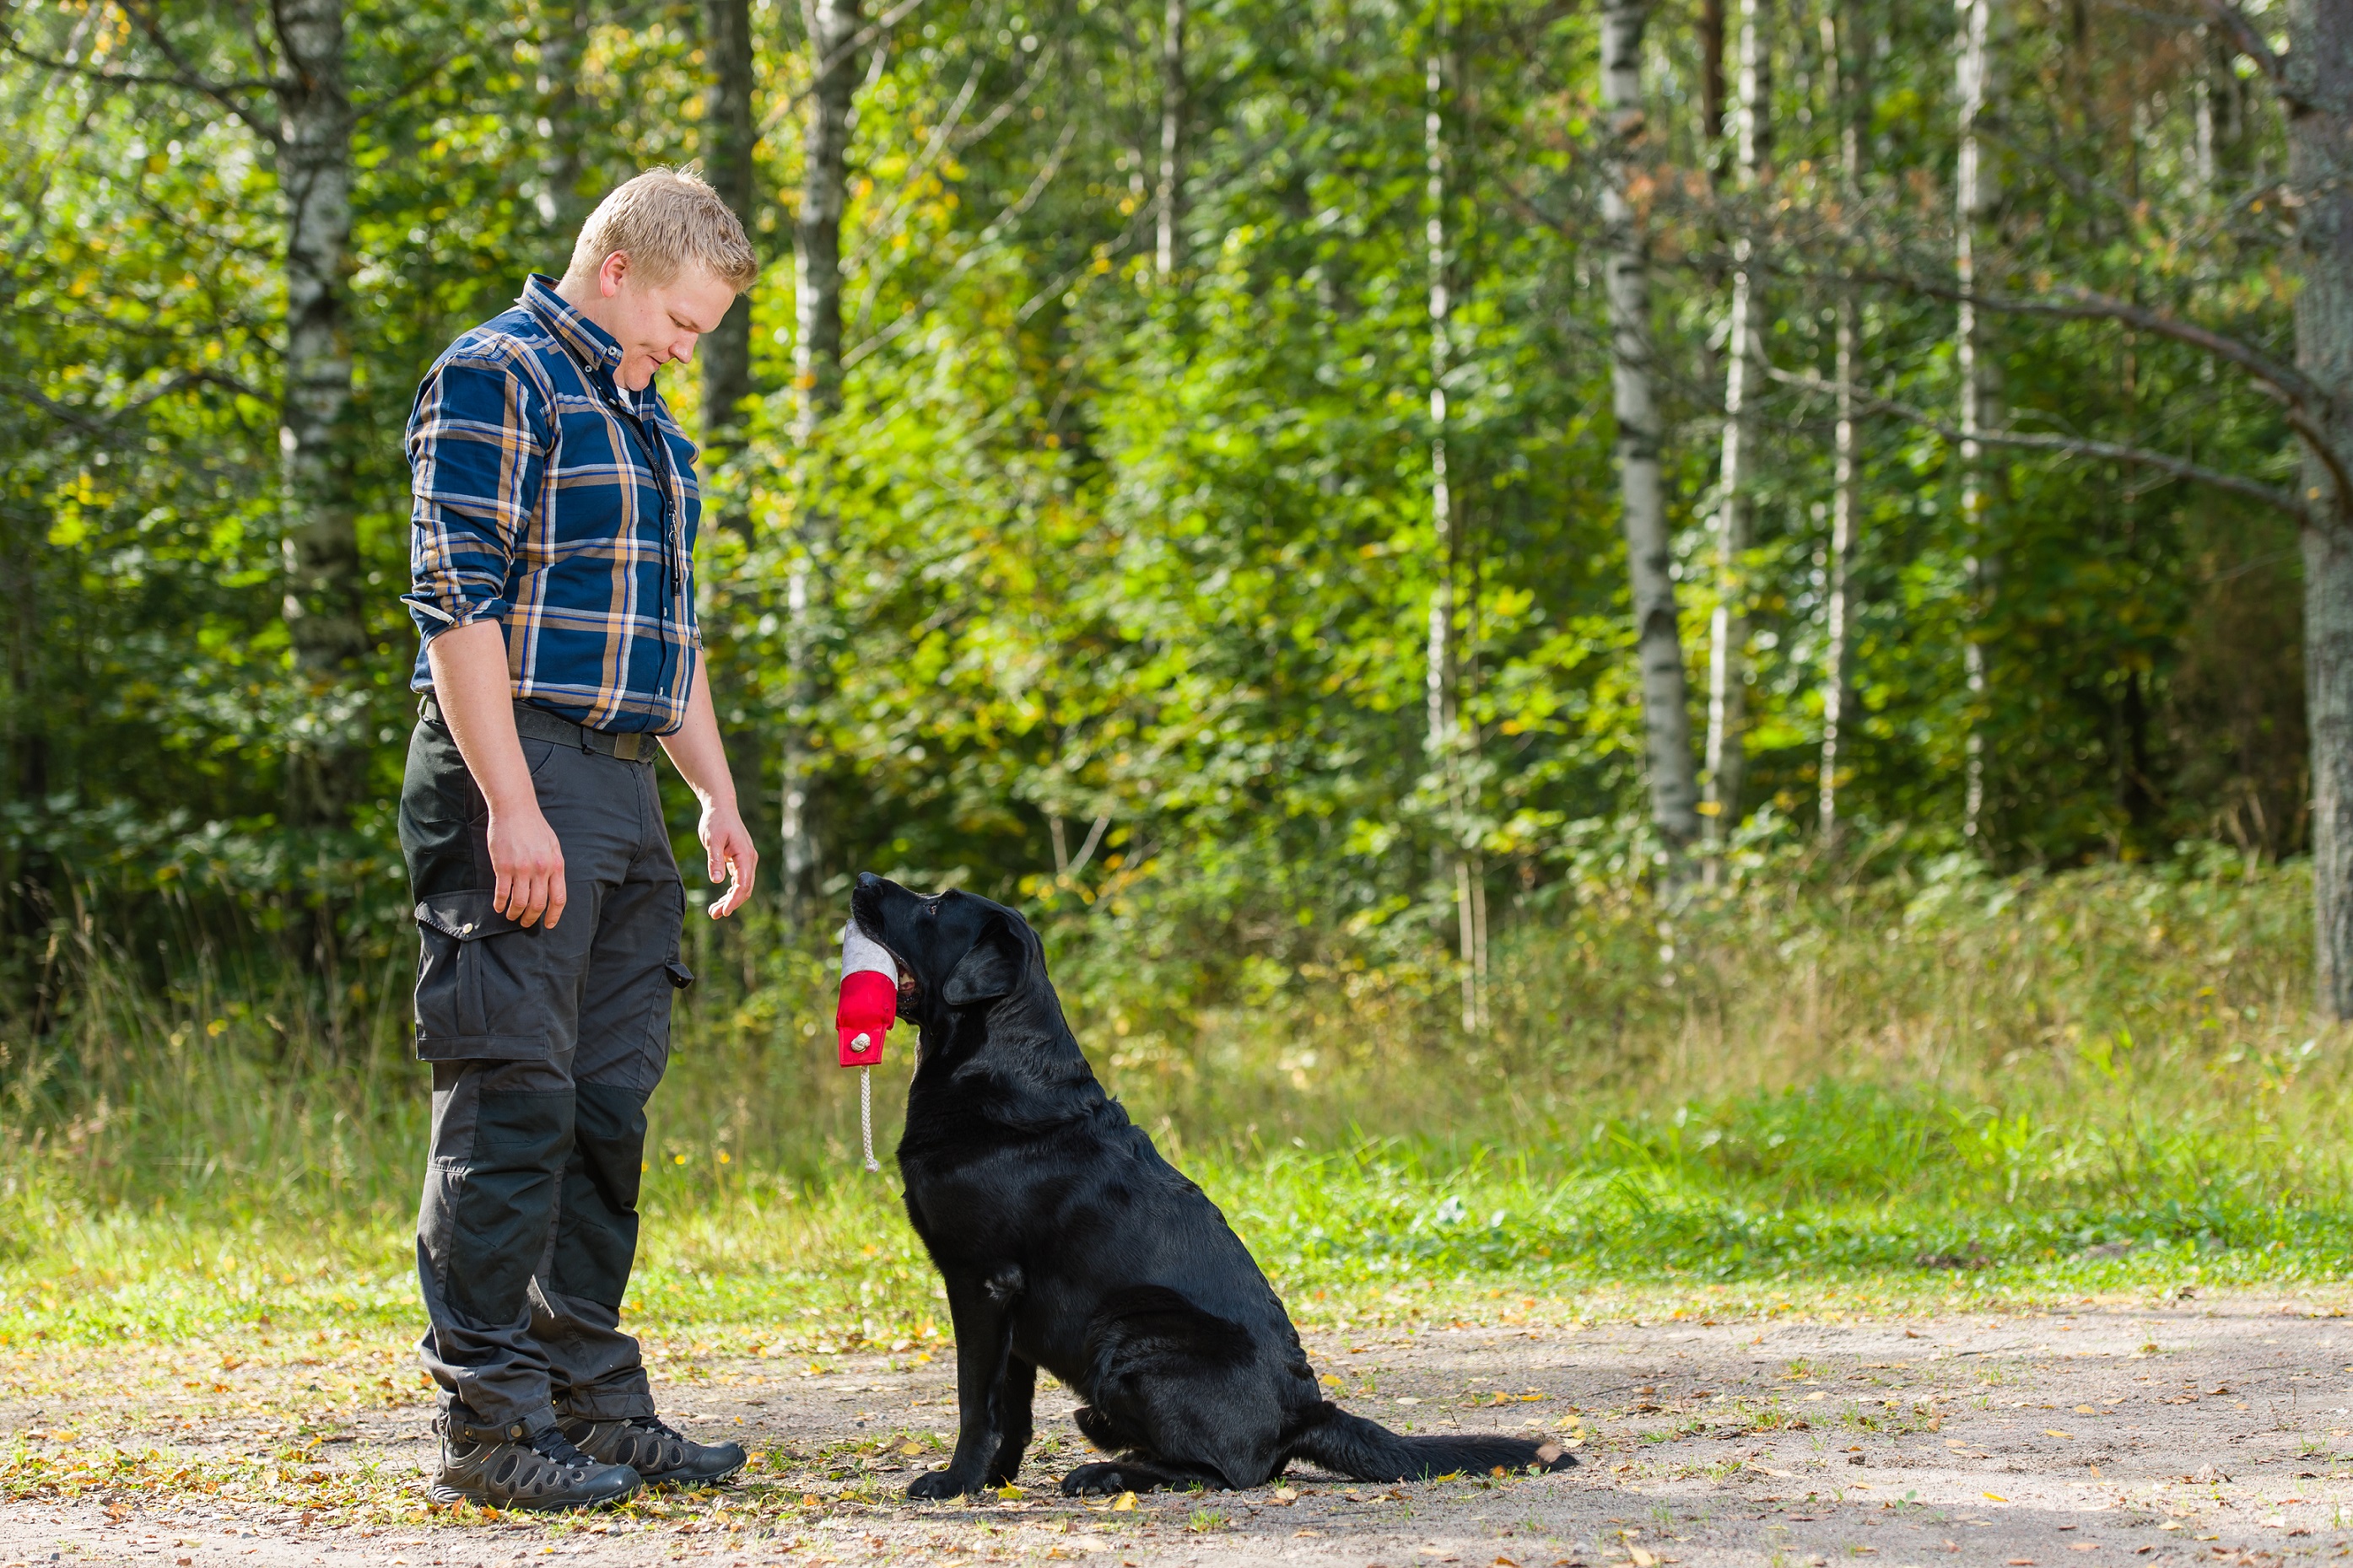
(549, 499)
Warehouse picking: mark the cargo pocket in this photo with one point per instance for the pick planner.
(471, 983)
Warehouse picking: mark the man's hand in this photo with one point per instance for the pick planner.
(728, 844)
(528, 863)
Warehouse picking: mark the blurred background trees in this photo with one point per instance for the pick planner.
(1178, 467)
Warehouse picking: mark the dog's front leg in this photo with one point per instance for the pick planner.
(981, 1307)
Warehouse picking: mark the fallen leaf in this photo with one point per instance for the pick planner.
(1993, 1497)
(2084, 1546)
(1641, 1559)
(1126, 1503)
(1285, 1495)
(2054, 1432)
(910, 1450)
(1816, 1395)
(2085, 1410)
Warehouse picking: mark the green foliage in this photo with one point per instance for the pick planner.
(1094, 544)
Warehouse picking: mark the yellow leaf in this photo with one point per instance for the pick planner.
(2085, 1410)
(1126, 1503)
(910, 1450)
(1641, 1558)
(1008, 1491)
(1993, 1497)
(2054, 1432)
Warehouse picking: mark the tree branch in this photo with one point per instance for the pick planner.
(2075, 445)
(2249, 40)
(188, 78)
(218, 91)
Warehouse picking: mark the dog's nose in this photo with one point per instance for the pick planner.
(868, 879)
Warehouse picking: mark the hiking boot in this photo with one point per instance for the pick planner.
(664, 1456)
(512, 1466)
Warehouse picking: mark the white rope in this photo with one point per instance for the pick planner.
(865, 1115)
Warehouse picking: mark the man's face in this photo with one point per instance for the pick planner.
(655, 323)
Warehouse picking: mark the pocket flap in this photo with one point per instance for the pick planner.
(466, 916)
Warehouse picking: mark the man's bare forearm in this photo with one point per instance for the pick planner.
(696, 750)
(476, 696)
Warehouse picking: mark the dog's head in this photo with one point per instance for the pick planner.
(955, 950)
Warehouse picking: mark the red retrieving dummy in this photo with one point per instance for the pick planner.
(870, 998)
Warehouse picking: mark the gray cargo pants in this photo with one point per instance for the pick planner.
(545, 1045)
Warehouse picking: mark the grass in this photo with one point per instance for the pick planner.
(1930, 1090)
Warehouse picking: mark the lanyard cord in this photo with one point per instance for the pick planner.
(866, 1116)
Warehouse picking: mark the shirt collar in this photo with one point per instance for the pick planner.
(589, 343)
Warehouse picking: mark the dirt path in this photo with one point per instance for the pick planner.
(2198, 1431)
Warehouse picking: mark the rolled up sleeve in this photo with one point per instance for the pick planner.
(478, 446)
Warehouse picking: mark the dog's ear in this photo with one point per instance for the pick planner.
(992, 969)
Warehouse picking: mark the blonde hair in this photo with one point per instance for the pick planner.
(664, 219)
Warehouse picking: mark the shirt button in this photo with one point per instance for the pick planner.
(466, 929)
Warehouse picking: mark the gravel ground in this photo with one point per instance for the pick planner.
(2203, 1431)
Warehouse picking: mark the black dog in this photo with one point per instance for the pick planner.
(1067, 1242)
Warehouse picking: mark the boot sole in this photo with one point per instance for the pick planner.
(447, 1494)
(676, 1478)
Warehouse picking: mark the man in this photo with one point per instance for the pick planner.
(552, 545)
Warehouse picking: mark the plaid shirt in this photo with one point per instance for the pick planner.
(547, 498)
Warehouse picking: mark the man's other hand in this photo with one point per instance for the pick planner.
(528, 862)
(728, 844)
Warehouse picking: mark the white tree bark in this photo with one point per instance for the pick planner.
(322, 606)
(1666, 713)
(1727, 670)
(1843, 47)
(1972, 199)
(1168, 198)
(1448, 741)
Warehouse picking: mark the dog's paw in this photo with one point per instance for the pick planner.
(1094, 1478)
(935, 1485)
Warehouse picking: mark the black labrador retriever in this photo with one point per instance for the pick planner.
(1068, 1243)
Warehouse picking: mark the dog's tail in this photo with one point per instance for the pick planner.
(1368, 1451)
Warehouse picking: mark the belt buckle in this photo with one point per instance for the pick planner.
(626, 746)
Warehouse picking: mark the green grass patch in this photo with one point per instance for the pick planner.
(1926, 1093)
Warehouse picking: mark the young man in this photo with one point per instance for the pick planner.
(552, 547)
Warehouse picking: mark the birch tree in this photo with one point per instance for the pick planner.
(1841, 49)
(1169, 195)
(1658, 635)
(1973, 194)
(1727, 682)
(1446, 742)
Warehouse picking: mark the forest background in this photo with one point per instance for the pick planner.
(1615, 646)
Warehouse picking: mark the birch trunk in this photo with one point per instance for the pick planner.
(324, 621)
(1727, 669)
(729, 141)
(1666, 714)
(1169, 197)
(1972, 198)
(2320, 168)
(816, 393)
(1456, 862)
(1843, 49)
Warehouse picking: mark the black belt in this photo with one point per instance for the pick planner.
(632, 746)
